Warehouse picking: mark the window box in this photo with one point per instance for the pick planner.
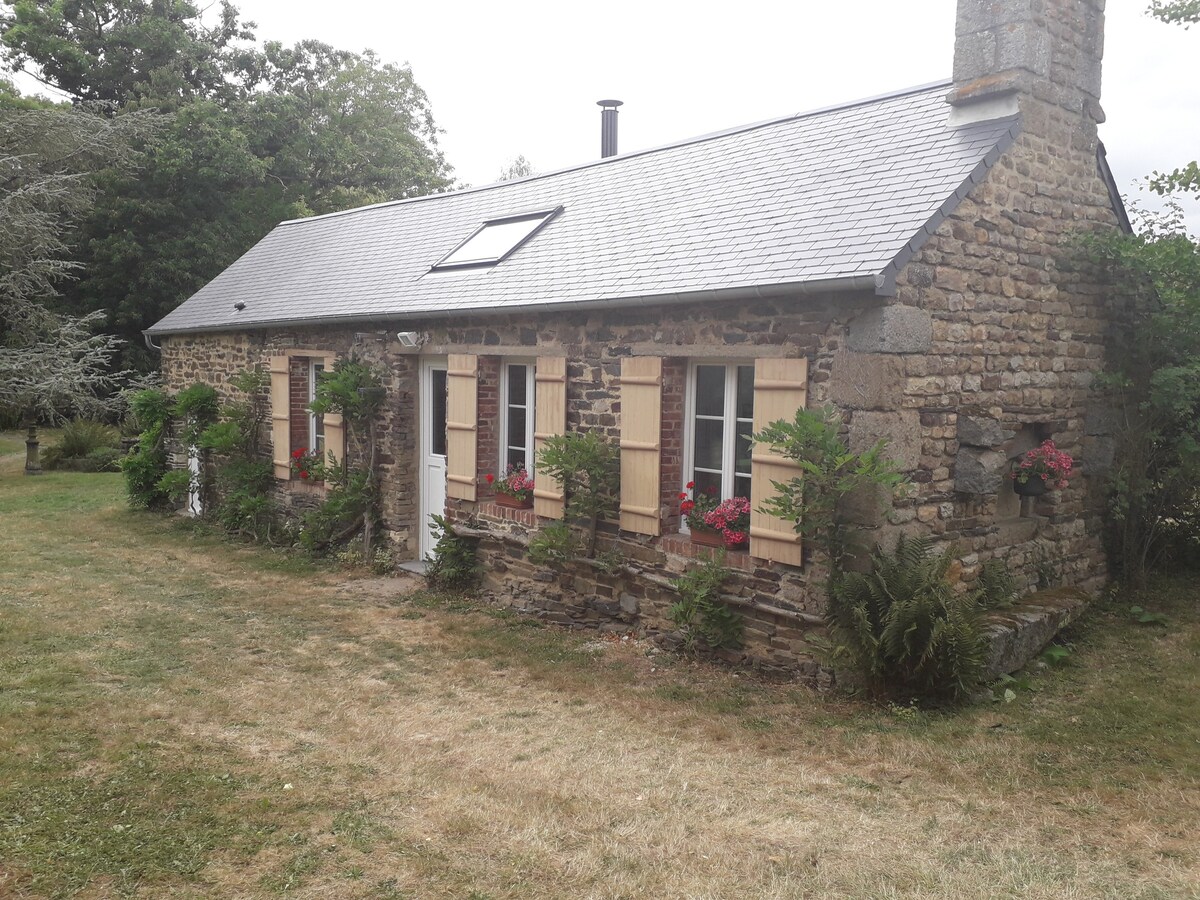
(710, 537)
(510, 502)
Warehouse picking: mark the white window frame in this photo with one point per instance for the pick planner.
(729, 446)
(530, 407)
(314, 365)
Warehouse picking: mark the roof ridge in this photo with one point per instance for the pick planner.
(712, 135)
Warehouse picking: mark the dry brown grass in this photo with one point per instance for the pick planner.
(294, 734)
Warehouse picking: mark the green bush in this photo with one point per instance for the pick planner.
(453, 565)
(553, 545)
(77, 441)
(701, 616)
(904, 628)
(589, 469)
(147, 463)
(244, 506)
(829, 472)
(342, 513)
(103, 459)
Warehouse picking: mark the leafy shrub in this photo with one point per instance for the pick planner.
(196, 407)
(553, 545)
(77, 440)
(147, 463)
(175, 485)
(244, 506)
(341, 515)
(589, 469)
(103, 459)
(904, 628)
(453, 565)
(700, 615)
(829, 471)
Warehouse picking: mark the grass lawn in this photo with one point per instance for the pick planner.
(181, 717)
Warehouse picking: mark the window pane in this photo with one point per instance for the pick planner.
(517, 385)
(515, 458)
(516, 426)
(745, 392)
(741, 486)
(707, 483)
(438, 413)
(741, 452)
(710, 437)
(710, 390)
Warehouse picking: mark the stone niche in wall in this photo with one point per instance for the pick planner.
(987, 449)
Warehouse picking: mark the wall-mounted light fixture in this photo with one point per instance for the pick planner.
(410, 339)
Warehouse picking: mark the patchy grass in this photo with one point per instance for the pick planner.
(181, 717)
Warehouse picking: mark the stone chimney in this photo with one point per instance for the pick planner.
(1013, 55)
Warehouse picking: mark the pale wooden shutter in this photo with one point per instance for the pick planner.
(550, 418)
(641, 444)
(335, 426)
(780, 388)
(281, 418)
(462, 425)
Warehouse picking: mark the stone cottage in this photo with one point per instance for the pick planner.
(909, 258)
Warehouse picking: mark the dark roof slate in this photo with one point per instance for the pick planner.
(816, 198)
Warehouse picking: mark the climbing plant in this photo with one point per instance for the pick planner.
(828, 472)
(148, 462)
(589, 469)
(354, 390)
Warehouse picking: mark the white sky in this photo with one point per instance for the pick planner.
(522, 78)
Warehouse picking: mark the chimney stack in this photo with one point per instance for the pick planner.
(608, 127)
(1050, 50)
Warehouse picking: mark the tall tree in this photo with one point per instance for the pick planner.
(121, 51)
(52, 364)
(1185, 179)
(256, 135)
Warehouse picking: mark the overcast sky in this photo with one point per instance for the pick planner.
(509, 79)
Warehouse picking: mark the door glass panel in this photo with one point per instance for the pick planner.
(437, 385)
(710, 390)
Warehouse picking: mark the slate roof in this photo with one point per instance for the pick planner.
(834, 198)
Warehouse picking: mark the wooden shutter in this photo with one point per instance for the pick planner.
(550, 418)
(641, 444)
(281, 416)
(335, 426)
(462, 424)
(780, 388)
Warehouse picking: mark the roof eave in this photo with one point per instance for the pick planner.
(874, 283)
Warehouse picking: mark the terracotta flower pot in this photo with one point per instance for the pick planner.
(512, 502)
(710, 537)
(1034, 487)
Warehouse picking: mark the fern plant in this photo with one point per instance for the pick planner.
(904, 628)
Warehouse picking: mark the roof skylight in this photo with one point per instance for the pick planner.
(495, 240)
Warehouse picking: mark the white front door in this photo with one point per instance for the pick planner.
(433, 448)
